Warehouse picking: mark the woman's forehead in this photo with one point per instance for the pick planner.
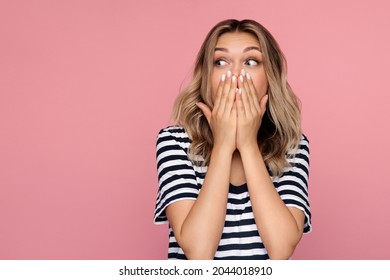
(237, 40)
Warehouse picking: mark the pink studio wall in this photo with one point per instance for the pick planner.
(85, 87)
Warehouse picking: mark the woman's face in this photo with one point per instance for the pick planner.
(235, 51)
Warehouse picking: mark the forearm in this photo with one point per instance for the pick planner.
(202, 229)
(276, 224)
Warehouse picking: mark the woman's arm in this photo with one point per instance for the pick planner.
(198, 225)
(280, 227)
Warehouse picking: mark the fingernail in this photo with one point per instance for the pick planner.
(223, 77)
(234, 78)
(236, 90)
(240, 91)
(241, 79)
(248, 76)
(243, 72)
(229, 73)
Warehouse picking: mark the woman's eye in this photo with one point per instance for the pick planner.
(251, 62)
(220, 62)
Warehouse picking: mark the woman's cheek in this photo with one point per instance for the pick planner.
(260, 84)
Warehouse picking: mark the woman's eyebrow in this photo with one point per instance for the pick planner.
(245, 50)
(221, 49)
(252, 48)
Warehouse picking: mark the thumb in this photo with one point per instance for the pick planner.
(263, 103)
(205, 109)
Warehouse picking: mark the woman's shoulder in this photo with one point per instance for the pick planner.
(304, 143)
(304, 140)
(174, 134)
(174, 131)
(302, 149)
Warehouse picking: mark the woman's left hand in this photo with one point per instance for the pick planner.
(250, 112)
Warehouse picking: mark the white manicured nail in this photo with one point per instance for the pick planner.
(240, 91)
(243, 72)
(234, 79)
(223, 77)
(241, 79)
(248, 76)
(229, 73)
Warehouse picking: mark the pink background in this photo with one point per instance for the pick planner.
(85, 87)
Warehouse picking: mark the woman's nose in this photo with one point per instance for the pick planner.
(236, 70)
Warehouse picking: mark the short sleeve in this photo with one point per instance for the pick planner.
(176, 175)
(292, 185)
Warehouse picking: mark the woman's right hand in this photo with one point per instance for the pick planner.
(223, 117)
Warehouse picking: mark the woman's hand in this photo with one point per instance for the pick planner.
(250, 112)
(223, 117)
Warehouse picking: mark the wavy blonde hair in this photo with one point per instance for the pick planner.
(280, 131)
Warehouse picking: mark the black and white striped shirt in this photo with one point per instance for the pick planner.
(179, 179)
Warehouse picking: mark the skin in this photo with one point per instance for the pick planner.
(239, 87)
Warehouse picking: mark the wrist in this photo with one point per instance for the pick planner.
(252, 146)
(221, 157)
(223, 149)
(227, 147)
(249, 149)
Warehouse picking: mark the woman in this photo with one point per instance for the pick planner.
(233, 172)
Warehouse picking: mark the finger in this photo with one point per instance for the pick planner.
(246, 102)
(219, 91)
(235, 109)
(263, 104)
(205, 109)
(225, 91)
(252, 89)
(231, 95)
(244, 96)
(253, 104)
(240, 104)
(244, 82)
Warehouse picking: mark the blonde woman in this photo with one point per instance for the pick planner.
(233, 172)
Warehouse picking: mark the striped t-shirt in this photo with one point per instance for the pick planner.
(179, 179)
